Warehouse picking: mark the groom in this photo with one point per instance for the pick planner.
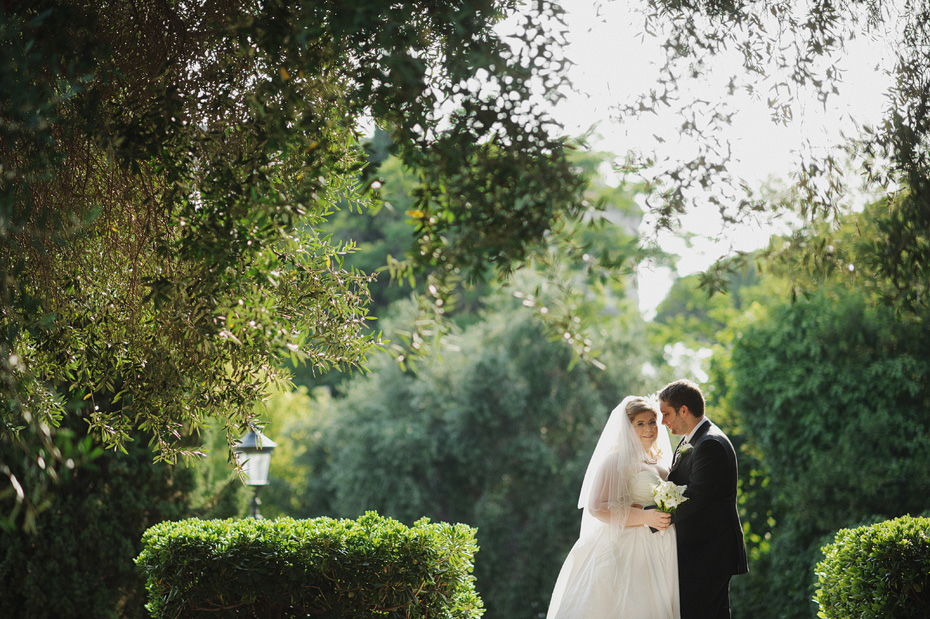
(710, 539)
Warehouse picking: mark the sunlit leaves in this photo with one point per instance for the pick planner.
(785, 49)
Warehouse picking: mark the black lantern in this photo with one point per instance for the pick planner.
(253, 453)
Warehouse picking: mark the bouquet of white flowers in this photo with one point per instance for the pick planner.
(668, 496)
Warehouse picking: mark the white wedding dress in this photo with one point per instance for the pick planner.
(621, 572)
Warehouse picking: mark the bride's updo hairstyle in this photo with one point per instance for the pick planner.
(638, 405)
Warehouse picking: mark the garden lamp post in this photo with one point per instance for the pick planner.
(253, 453)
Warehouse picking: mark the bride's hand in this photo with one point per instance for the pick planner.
(658, 520)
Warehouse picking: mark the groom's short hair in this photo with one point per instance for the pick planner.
(684, 393)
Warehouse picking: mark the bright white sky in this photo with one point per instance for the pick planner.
(614, 61)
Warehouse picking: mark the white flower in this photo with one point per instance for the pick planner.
(653, 401)
(668, 496)
(685, 448)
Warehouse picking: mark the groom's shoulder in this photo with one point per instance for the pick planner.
(715, 434)
(712, 432)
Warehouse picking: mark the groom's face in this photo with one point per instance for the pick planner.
(672, 419)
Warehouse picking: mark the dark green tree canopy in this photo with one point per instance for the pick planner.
(832, 396)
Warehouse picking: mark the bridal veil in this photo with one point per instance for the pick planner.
(617, 457)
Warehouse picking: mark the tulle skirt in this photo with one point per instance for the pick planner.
(626, 574)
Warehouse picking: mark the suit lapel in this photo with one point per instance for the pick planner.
(701, 431)
(675, 455)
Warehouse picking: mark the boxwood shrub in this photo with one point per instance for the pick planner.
(370, 567)
(877, 571)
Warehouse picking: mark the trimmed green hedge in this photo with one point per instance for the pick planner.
(370, 567)
(877, 571)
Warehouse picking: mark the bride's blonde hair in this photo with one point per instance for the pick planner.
(638, 405)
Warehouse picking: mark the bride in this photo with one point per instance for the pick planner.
(619, 567)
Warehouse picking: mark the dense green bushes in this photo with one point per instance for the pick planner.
(370, 567)
(832, 395)
(877, 571)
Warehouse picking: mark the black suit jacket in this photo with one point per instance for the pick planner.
(710, 536)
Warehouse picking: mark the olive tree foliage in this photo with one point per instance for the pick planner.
(165, 169)
(785, 48)
(568, 281)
